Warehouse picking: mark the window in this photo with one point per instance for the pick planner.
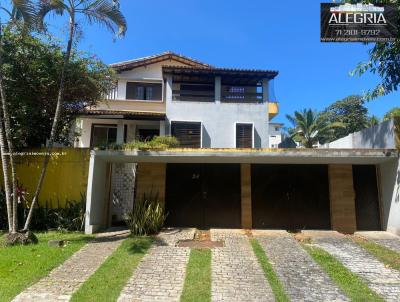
(103, 135)
(244, 136)
(187, 133)
(143, 91)
(147, 134)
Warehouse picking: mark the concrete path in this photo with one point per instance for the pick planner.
(301, 277)
(384, 281)
(64, 280)
(236, 273)
(161, 274)
(385, 239)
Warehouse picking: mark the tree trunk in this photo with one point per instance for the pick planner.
(57, 115)
(4, 159)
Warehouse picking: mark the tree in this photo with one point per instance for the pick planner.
(373, 120)
(383, 61)
(102, 12)
(18, 13)
(311, 127)
(350, 112)
(392, 113)
(31, 66)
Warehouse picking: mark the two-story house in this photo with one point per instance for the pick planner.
(169, 94)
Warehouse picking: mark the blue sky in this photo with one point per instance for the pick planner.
(278, 35)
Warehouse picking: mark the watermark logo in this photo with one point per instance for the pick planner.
(358, 22)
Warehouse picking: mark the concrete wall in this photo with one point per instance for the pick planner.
(389, 174)
(342, 198)
(379, 136)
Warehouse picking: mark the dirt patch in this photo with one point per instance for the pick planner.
(300, 237)
(248, 233)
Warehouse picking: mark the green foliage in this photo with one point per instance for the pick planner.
(147, 216)
(350, 112)
(312, 127)
(392, 113)
(31, 70)
(373, 120)
(156, 143)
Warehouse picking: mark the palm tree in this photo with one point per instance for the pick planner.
(101, 12)
(21, 12)
(311, 127)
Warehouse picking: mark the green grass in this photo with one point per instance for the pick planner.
(385, 255)
(109, 279)
(21, 266)
(197, 286)
(350, 283)
(275, 283)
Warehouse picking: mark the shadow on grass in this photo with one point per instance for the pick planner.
(140, 244)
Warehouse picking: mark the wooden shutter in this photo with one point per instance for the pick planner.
(244, 135)
(188, 134)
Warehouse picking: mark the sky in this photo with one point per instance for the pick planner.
(260, 34)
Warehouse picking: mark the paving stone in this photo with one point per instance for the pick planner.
(161, 274)
(236, 273)
(386, 239)
(65, 279)
(383, 280)
(301, 277)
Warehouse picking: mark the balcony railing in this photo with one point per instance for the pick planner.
(248, 97)
(112, 94)
(193, 95)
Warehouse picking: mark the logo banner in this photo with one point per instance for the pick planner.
(358, 22)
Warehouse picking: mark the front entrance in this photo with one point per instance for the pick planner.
(203, 195)
(290, 196)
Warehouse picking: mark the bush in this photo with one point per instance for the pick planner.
(156, 143)
(147, 216)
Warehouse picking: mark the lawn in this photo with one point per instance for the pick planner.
(385, 255)
(197, 286)
(275, 283)
(350, 283)
(21, 266)
(109, 279)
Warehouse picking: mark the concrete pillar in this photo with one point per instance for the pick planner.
(342, 199)
(151, 178)
(120, 132)
(121, 90)
(168, 89)
(217, 87)
(245, 177)
(265, 90)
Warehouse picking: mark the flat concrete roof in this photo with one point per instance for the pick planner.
(262, 156)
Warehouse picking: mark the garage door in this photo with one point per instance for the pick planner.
(290, 196)
(203, 195)
(367, 200)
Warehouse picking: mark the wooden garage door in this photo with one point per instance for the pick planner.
(203, 195)
(290, 196)
(367, 200)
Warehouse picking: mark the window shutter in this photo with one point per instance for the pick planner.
(188, 134)
(244, 135)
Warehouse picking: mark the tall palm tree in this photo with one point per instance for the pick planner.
(17, 12)
(101, 12)
(311, 127)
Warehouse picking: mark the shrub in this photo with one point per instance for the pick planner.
(157, 142)
(147, 216)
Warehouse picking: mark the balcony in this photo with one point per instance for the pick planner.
(273, 109)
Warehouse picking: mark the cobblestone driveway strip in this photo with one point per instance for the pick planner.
(236, 273)
(385, 239)
(301, 277)
(384, 281)
(64, 280)
(161, 274)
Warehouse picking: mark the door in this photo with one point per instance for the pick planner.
(203, 195)
(367, 198)
(290, 196)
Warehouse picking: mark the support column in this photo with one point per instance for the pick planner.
(162, 128)
(168, 89)
(342, 198)
(120, 132)
(121, 90)
(217, 89)
(151, 178)
(265, 90)
(245, 178)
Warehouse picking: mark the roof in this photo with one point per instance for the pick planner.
(126, 114)
(186, 70)
(168, 55)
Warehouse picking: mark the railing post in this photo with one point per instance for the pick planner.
(217, 87)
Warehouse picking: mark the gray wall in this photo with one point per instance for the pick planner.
(380, 136)
(390, 195)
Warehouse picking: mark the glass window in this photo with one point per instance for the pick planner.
(149, 93)
(140, 93)
(103, 135)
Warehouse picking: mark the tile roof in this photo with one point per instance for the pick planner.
(126, 114)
